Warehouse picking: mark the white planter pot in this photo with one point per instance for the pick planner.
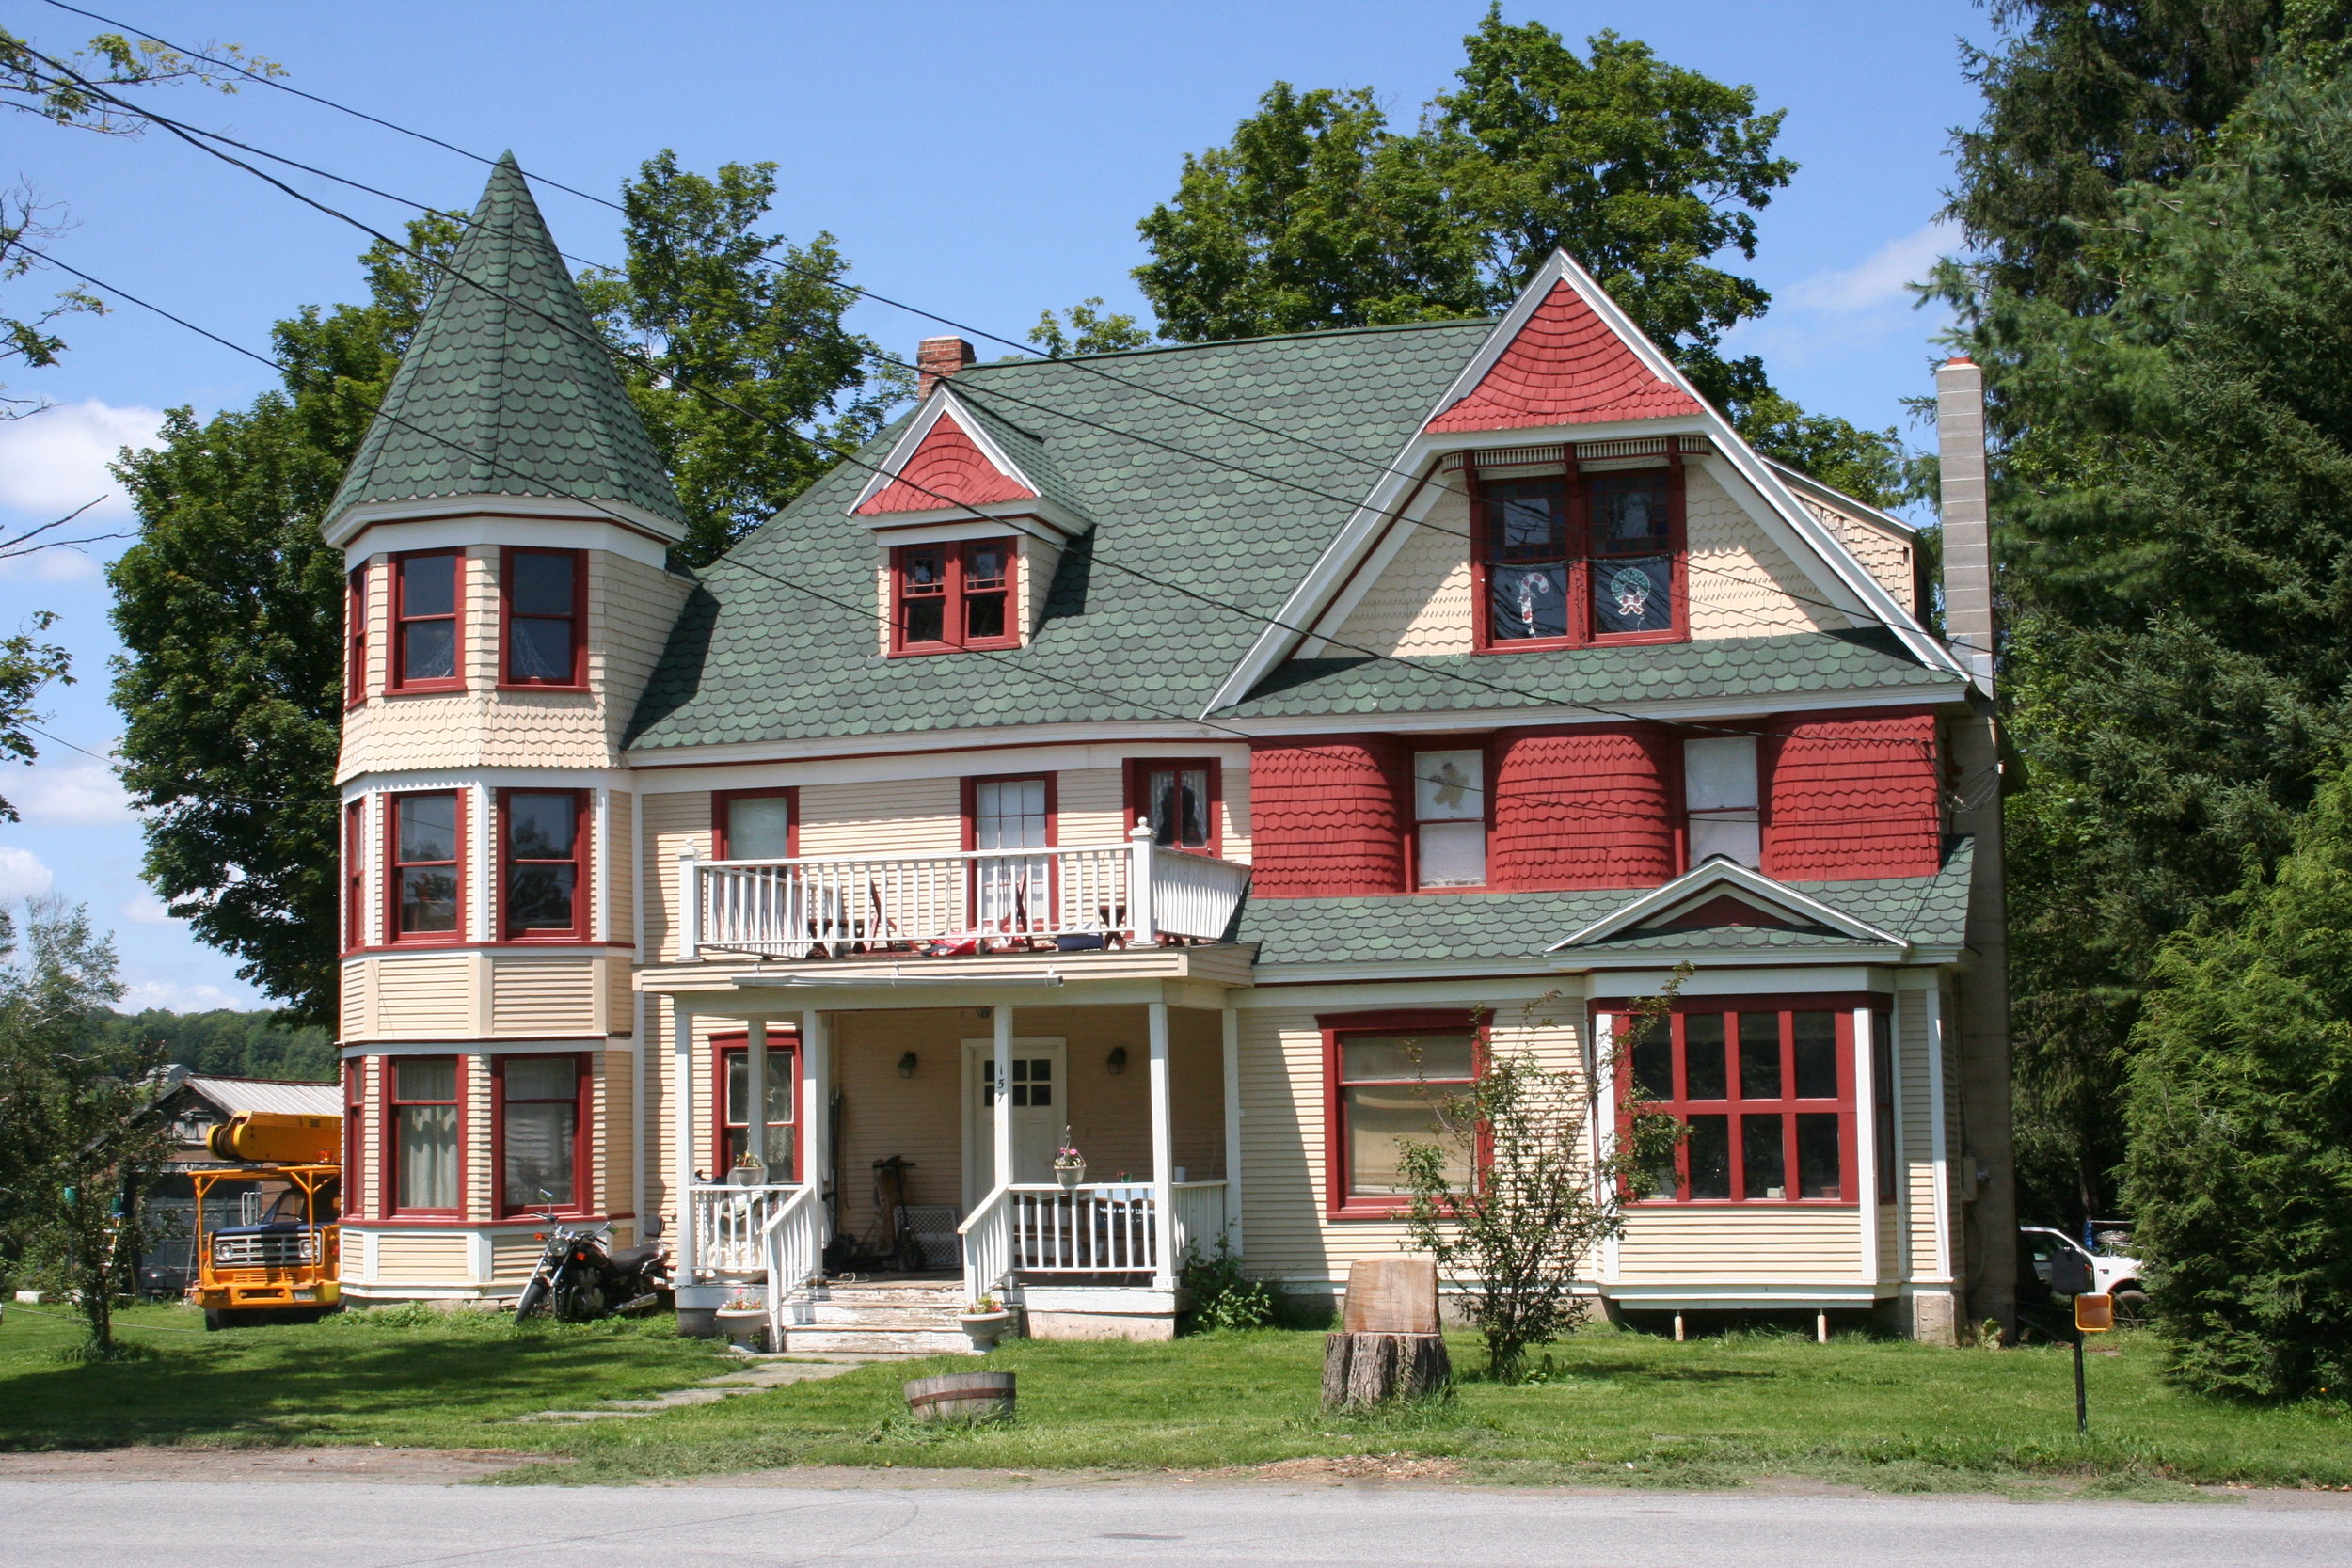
(1070, 1175)
(985, 1328)
(745, 1328)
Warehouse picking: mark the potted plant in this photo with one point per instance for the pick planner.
(985, 1320)
(743, 1321)
(1069, 1166)
(750, 1171)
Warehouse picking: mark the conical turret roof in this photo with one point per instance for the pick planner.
(507, 388)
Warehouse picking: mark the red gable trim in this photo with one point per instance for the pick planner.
(949, 466)
(1565, 367)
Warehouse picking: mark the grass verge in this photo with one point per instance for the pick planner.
(1613, 1408)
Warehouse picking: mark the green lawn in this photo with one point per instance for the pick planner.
(1617, 1407)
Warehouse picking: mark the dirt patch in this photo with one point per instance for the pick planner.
(397, 1466)
(1356, 1466)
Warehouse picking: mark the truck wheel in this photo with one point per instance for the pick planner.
(2131, 1308)
(218, 1317)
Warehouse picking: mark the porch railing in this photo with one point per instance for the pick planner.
(770, 1234)
(787, 908)
(1042, 1230)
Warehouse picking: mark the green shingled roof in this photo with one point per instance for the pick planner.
(759, 658)
(507, 388)
(1929, 912)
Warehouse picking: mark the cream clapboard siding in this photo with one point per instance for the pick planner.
(478, 1173)
(613, 1132)
(513, 1255)
(618, 857)
(1890, 1243)
(1885, 554)
(420, 1258)
(895, 817)
(1421, 603)
(363, 1189)
(1091, 803)
(1286, 1139)
(1236, 783)
(546, 994)
(675, 822)
(423, 997)
(355, 1004)
(1919, 1155)
(1766, 1243)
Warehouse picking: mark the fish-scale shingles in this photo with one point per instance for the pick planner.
(1565, 367)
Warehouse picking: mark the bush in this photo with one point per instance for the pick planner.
(2239, 1110)
(1222, 1295)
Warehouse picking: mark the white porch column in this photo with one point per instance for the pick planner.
(815, 1103)
(755, 1090)
(1001, 1110)
(1163, 1156)
(682, 1139)
(1231, 1064)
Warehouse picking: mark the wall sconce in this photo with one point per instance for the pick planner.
(984, 1012)
(1117, 1060)
(906, 1065)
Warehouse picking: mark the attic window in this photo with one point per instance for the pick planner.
(951, 596)
(1570, 562)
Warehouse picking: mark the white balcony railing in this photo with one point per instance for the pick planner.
(1085, 896)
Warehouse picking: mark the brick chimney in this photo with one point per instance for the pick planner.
(938, 358)
(1967, 515)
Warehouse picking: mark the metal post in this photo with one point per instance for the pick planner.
(2082, 1403)
(1163, 1156)
(755, 1091)
(1002, 1109)
(1139, 912)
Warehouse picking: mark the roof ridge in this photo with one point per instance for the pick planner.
(1010, 362)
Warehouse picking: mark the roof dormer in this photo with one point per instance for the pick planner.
(957, 472)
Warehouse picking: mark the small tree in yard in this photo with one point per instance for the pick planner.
(81, 1149)
(1512, 1200)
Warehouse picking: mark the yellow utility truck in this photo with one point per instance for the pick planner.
(267, 1234)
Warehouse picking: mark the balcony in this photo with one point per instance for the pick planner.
(1073, 898)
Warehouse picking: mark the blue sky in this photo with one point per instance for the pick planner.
(984, 161)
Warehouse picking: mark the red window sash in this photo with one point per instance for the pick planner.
(973, 898)
(721, 798)
(394, 935)
(355, 874)
(582, 893)
(1140, 772)
(1580, 560)
(727, 1048)
(1339, 1201)
(578, 679)
(1409, 821)
(954, 558)
(397, 649)
(355, 1136)
(584, 1198)
(389, 1075)
(356, 638)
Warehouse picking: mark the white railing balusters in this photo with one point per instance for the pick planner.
(988, 1261)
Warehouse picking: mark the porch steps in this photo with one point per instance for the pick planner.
(879, 1317)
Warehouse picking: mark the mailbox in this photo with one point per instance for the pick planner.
(2070, 1272)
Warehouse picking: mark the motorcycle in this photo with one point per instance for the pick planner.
(580, 1276)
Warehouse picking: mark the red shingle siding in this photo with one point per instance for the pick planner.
(1323, 819)
(1565, 367)
(1585, 808)
(949, 469)
(1853, 798)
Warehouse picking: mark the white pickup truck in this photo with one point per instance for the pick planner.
(2113, 1273)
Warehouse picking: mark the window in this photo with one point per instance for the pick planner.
(1013, 892)
(355, 874)
(354, 1131)
(1387, 1074)
(1719, 792)
(424, 615)
(356, 638)
(543, 600)
(1767, 1093)
(1449, 819)
(543, 845)
(755, 824)
(539, 1124)
(427, 886)
(952, 596)
(735, 1102)
(1178, 801)
(424, 1135)
(1564, 562)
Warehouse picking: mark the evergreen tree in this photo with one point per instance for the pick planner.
(2240, 1113)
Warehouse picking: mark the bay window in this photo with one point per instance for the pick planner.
(1386, 1076)
(952, 596)
(425, 602)
(1572, 560)
(427, 880)
(543, 853)
(541, 1114)
(424, 1095)
(1449, 819)
(543, 605)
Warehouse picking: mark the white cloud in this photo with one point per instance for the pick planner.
(77, 794)
(52, 460)
(179, 997)
(1879, 280)
(22, 875)
(145, 909)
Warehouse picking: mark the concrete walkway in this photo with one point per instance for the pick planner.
(759, 1371)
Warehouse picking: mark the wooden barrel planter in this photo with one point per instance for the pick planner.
(961, 1397)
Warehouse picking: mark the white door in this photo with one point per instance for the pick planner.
(1039, 1111)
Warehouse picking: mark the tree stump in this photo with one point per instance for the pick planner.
(1361, 1370)
(1388, 1347)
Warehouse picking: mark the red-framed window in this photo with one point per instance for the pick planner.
(1012, 812)
(425, 882)
(1451, 814)
(1181, 800)
(543, 617)
(755, 824)
(354, 1134)
(1383, 1075)
(1722, 800)
(731, 1101)
(1567, 561)
(355, 637)
(952, 596)
(356, 873)
(543, 864)
(424, 1135)
(428, 592)
(539, 1133)
(1765, 1087)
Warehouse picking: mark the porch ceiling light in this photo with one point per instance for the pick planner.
(906, 1065)
(1117, 1060)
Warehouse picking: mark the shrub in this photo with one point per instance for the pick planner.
(1222, 1295)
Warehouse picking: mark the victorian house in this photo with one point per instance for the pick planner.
(1182, 759)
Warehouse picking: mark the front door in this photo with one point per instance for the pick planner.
(1039, 1111)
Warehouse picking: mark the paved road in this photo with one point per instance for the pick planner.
(235, 1524)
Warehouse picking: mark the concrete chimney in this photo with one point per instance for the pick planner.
(938, 358)
(1967, 516)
